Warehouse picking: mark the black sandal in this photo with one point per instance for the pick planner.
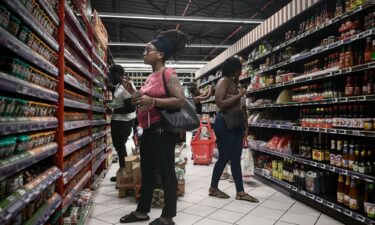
(247, 197)
(158, 222)
(131, 217)
(217, 193)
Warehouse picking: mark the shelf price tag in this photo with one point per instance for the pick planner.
(349, 213)
(320, 200)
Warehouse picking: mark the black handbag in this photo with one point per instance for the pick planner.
(180, 120)
(234, 119)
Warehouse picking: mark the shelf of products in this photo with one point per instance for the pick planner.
(70, 58)
(210, 81)
(71, 147)
(16, 85)
(69, 14)
(360, 133)
(30, 20)
(73, 82)
(17, 47)
(99, 149)
(13, 164)
(71, 172)
(99, 122)
(97, 95)
(26, 124)
(77, 45)
(75, 104)
(13, 204)
(98, 163)
(46, 210)
(50, 11)
(98, 135)
(317, 199)
(100, 60)
(76, 124)
(75, 191)
(98, 109)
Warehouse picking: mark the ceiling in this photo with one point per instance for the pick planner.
(143, 31)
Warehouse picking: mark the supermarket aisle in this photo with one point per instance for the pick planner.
(196, 207)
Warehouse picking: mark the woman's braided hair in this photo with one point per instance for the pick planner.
(178, 39)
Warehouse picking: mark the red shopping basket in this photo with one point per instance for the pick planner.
(203, 149)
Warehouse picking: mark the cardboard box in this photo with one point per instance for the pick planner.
(129, 162)
(181, 188)
(124, 179)
(136, 171)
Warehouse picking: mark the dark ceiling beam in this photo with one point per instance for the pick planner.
(134, 34)
(253, 6)
(218, 8)
(202, 8)
(156, 7)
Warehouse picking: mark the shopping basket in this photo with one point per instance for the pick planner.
(203, 149)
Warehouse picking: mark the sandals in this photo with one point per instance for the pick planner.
(247, 197)
(131, 217)
(159, 222)
(217, 193)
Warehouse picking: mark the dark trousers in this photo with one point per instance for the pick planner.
(157, 156)
(229, 144)
(120, 131)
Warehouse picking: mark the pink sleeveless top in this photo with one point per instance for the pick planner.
(153, 87)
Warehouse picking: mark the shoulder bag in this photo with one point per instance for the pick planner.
(180, 120)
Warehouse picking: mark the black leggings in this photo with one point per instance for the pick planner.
(157, 156)
(120, 131)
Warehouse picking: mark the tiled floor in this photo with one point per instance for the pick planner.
(196, 207)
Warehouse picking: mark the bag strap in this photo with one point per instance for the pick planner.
(165, 83)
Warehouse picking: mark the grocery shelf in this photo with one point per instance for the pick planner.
(97, 82)
(308, 77)
(99, 149)
(98, 135)
(97, 95)
(75, 104)
(75, 43)
(360, 98)
(84, 215)
(76, 124)
(76, 168)
(98, 122)
(317, 199)
(16, 163)
(19, 9)
(76, 84)
(98, 163)
(17, 47)
(318, 50)
(209, 82)
(16, 85)
(69, 14)
(83, 71)
(45, 211)
(97, 57)
(100, 71)
(315, 30)
(98, 109)
(25, 124)
(253, 146)
(359, 133)
(14, 203)
(50, 11)
(67, 201)
(71, 147)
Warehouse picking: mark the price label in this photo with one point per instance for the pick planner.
(329, 204)
(349, 213)
(294, 188)
(345, 172)
(319, 200)
(313, 164)
(360, 218)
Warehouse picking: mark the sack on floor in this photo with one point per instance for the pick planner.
(247, 163)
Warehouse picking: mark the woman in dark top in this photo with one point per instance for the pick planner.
(229, 141)
(198, 97)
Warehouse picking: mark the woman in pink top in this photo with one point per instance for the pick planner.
(157, 145)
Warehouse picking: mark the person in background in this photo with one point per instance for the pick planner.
(157, 146)
(198, 97)
(123, 113)
(229, 142)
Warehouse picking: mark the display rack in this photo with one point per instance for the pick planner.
(85, 84)
(272, 31)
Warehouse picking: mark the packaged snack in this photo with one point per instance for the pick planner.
(23, 34)
(30, 40)
(4, 17)
(14, 25)
(22, 143)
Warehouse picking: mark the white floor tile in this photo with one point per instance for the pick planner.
(239, 206)
(282, 198)
(250, 219)
(299, 219)
(98, 210)
(267, 213)
(117, 203)
(200, 210)
(114, 216)
(93, 221)
(215, 202)
(186, 219)
(181, 205)
(193, 198)
(300, 208)
(283, 223)
(326, 220)
(276, 205)
(226, 216)
(208, 221)
(100, 198)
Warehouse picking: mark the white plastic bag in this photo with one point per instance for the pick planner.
(247, 163)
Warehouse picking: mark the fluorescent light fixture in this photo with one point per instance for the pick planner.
(161, 18)
(134, 44)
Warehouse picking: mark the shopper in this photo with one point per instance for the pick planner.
(123, 114)
(199, 97)
(158, 145)
(229, 141)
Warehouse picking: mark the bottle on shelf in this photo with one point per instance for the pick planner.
(368, 50)
(369, 200)
(340, 189)
(346, 192)
(339, 153)
(355, 200)
(332, 154)
(362, 163)
(345, 154)
(351, 155)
